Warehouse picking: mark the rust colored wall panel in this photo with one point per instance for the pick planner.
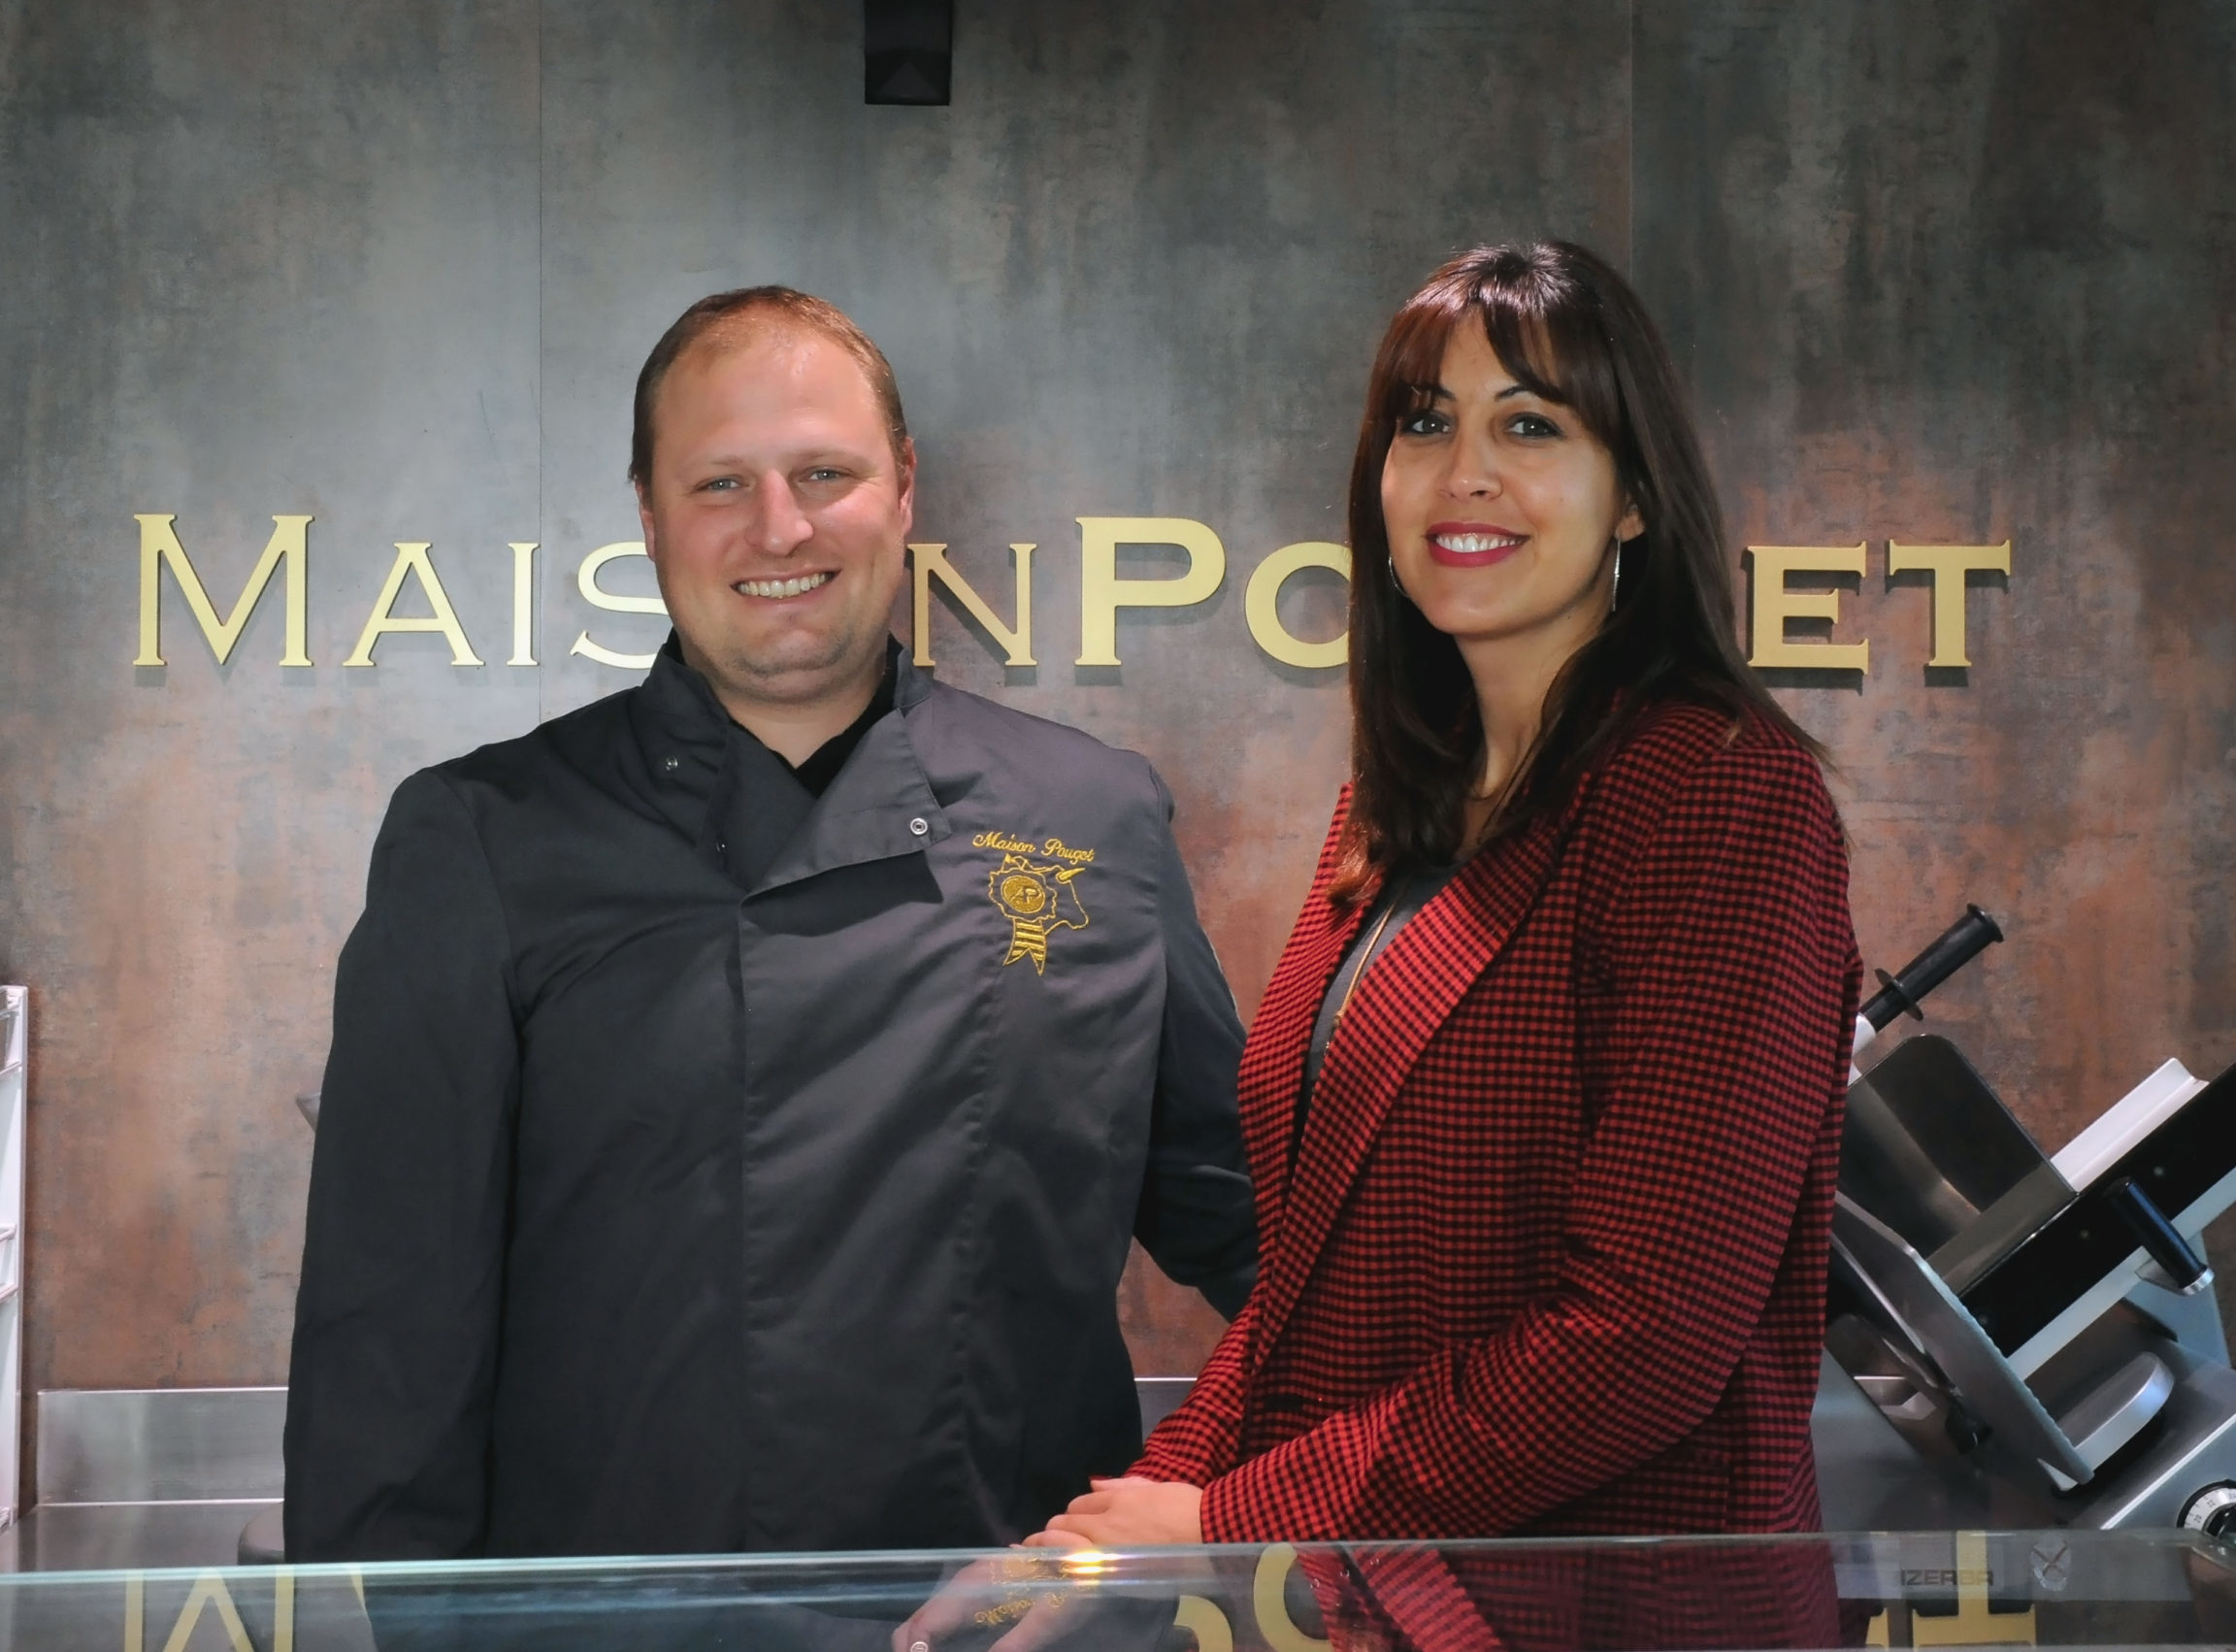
(1961, 275)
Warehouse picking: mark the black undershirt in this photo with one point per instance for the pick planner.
(770, 799)
(820, 767)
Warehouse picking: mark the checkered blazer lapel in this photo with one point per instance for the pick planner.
(1273, 1064)
(1410, 993)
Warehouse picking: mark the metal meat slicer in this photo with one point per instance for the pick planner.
(2042, 1320)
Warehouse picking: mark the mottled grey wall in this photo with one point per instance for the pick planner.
(1938, 274)
(255, 259)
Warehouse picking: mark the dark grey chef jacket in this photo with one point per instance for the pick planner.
(653, 1211)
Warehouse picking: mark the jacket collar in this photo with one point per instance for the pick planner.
(678, 714)
(880, 805)
(1409, 993)
(870, 811)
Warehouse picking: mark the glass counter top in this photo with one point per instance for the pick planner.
(1911, 1589)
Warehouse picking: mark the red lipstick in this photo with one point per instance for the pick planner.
(1491, 543)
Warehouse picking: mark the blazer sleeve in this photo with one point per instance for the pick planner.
(1196, 1215)
(1726, 968)
(396, 1319)
(1203, 1434)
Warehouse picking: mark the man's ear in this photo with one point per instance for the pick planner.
(907, 474)
(644, 519)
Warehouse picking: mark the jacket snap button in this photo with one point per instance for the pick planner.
(671, 764)
(919, 825)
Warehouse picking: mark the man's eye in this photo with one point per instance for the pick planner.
(719, 485)
(1427, 423)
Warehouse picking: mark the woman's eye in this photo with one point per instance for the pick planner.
(1534, 425)
(1427, 423)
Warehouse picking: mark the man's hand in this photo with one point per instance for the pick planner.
(1022, 1595)
(1127, 1514)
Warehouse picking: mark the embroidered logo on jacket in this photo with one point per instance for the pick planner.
(1035, 895)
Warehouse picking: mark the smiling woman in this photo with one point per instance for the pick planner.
(1487, 474)
(1543, 1101)
(1521, 384)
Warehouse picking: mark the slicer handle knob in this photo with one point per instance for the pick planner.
(1958, 944)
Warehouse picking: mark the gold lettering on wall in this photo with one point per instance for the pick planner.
(1101, 593)
(159, 543)
(1948, 564)
(1775, 605)
(524, 606)
(930, 562)
(412, 559)
(1262, 603)
(587, 581)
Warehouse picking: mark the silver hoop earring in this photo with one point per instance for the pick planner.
(1390, 567)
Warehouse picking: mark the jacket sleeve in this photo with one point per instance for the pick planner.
(1202, 1436)
(396, 1319)
(1724, 962)
(1196, 1215)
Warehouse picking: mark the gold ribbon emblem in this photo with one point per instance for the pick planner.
(1036, 897)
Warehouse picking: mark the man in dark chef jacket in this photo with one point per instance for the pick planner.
(743, 1089)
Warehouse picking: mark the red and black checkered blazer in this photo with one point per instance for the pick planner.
(1552, 1255)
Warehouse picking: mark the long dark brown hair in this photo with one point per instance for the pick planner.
(1569, 328)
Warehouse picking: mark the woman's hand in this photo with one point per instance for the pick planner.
(1127, 1514)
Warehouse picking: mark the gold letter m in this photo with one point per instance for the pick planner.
(159, 543)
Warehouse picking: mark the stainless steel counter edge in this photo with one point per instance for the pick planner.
(137, 1445)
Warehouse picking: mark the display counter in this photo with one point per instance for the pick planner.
(1916, 1589)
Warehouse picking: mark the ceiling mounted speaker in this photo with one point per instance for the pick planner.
(908, 51)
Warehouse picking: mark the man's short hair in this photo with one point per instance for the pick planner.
(738, 310)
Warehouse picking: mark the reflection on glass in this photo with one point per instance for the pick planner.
(1911, 1589)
